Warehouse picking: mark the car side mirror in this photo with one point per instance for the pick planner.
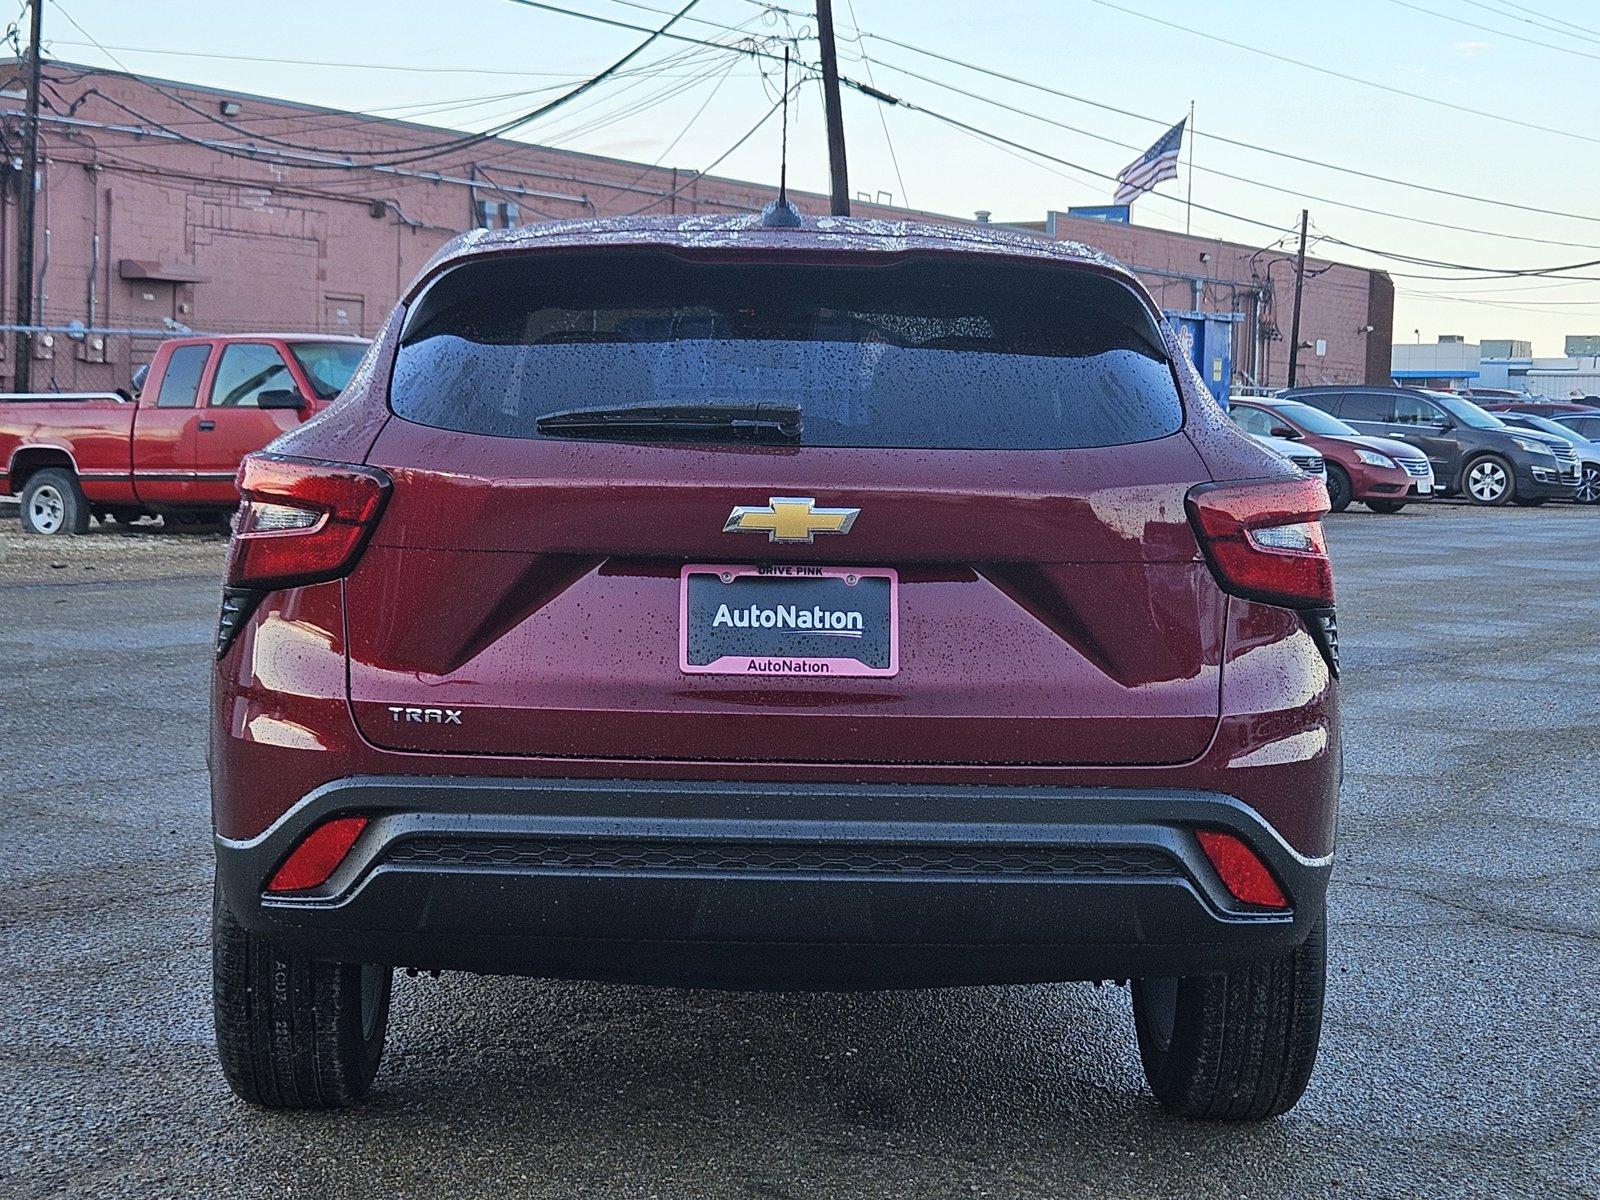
(1442, 425)
(1288, 434)
(282, 398)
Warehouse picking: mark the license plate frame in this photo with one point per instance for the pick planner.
(807, 663)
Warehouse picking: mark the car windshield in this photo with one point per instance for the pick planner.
(954, 354)
(1545, 425)
(1466, 412)
(328, 365)
(1313, 420)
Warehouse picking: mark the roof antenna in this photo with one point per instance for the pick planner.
(779, 213)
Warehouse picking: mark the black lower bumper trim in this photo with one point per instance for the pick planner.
(768, 885)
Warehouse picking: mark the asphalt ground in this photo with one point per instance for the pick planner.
(1460, 1055)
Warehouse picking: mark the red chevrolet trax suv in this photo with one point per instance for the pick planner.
(706, 602)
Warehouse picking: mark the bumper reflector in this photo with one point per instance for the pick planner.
(317, 856)
(1244, 875)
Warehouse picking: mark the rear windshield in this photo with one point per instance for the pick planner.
(922, 354)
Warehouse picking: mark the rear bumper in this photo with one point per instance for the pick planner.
(774, 885)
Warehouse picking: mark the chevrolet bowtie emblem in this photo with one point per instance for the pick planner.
(790, 519)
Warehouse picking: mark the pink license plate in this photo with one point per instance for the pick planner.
(788, 620)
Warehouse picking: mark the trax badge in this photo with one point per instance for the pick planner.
(425, 716)
(790, 519)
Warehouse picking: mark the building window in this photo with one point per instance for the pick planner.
(495, 214)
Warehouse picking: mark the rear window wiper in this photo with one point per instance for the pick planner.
(678, 422)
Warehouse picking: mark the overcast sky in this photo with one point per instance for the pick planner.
(483, 59)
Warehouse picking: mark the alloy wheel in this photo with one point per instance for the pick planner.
(1487, 481)
(47, 509)
(1589, 486)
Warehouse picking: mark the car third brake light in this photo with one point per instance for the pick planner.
(1264, 540)
(301, 521)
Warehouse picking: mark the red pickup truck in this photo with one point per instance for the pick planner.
(205, 404)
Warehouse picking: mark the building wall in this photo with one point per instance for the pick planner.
(155, 208)
(1337, 304)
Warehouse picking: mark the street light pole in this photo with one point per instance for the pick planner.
(838, 176)
(1299, 288)
(22, 370)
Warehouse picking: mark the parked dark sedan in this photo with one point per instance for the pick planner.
(1473, 452)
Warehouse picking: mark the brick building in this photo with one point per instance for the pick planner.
(165, 205)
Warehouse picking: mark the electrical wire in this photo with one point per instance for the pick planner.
(715, 163)
(883, 118)
(1582, 29)
(391, 157)
(1329, 71)
(1163, 123)
(1497, 32)
(1300, 194)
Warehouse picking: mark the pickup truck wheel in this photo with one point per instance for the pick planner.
(1239, 1046)
(293, 1031)
(52, 502)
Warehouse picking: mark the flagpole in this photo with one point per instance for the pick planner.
(1188, 209)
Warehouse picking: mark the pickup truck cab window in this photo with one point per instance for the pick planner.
(180, 386)
(247, 369)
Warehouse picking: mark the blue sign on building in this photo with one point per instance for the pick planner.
(1115, 213)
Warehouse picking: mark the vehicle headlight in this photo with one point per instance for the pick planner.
(1373, 459)
(1533, 447)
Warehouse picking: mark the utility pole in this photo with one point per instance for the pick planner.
(22, 369)
(837, 174)
(1299, 287)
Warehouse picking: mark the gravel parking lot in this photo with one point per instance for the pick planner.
(1459, 1054)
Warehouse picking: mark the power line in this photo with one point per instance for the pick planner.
(1216, 137)
(398, 68)
(1497, 32)
(1486, 272)
(392, 156)
(883, 119)
(718, 161)
(1498, 234)
(1329, 71)
(1558, 20)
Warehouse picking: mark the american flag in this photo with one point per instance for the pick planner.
(1150, 168)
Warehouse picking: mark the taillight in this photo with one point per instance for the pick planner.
(1264, 541)
(1242, 872)
(301, 521)
(317, 856)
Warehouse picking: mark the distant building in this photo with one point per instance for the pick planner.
(1505, 348)
(167, 206)
(1448, 363)
(1583, 345)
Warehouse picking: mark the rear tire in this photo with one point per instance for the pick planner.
(1238, 1046)
(1385, 506)
(52, 503)
(1339, 489)
(1488, 480)
(293, 1031)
